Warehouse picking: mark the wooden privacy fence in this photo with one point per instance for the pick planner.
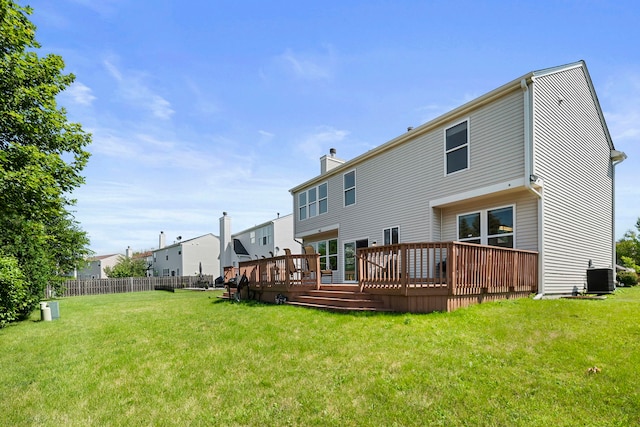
(129, 284)
(453, 268)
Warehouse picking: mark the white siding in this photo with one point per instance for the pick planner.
(205, 250)
(572, 155)
(283, 236)
(183, 259)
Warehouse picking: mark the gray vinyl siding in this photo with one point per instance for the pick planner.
(572, 155)
(496, 146)
(394, 188)
(526, 220)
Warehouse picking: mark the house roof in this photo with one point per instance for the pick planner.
(255, 227)
(182, 242)
(464, 109)
(100, 257)
(239, 248)
(142, 254)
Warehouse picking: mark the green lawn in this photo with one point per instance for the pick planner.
(187, 358)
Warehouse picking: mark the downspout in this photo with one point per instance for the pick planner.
(529, 177)
(616, 158)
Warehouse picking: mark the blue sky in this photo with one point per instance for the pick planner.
(208, 106)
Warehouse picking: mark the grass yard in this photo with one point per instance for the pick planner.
(187, 358)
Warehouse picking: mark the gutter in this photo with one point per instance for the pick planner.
(532, 182)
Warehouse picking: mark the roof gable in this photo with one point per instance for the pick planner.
(452, 115)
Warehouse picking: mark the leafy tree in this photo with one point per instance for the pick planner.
(127, 267)
(41, 157)
(628, 249)
(13, 290)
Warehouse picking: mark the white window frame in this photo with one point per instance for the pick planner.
(315, 204)
(390, 229)
(345, 190)
(328, 255)
(264, 235)
(484, 225)
(459, 147)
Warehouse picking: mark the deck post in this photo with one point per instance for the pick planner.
(451, 272)
(404, 270)
(318, 273)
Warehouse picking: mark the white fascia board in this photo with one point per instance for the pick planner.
(478, 192)
(318, 230)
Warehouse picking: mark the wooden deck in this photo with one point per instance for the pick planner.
(408, 277)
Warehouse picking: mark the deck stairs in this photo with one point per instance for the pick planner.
(337, 297)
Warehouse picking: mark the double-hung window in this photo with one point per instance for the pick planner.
(313, 202)
(494, 227)
(349, 188)
(457, 148)
(390, 236)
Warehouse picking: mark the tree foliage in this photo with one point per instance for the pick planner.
(127, 267)
(628, 249)
(41, 157)
(13, 291)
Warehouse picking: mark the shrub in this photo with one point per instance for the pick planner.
(627, 278)
(14, 292)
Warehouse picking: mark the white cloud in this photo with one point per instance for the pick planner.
(320, 141)
(133, 88)
(161, 108)
(309, 66)
(79, 94)
(265, 134)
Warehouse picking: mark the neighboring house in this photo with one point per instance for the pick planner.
(147, 256)
(96, 265)
(529, 165)
(265, 240)
(186, 257)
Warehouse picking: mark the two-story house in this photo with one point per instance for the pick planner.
(187, 257)
(264, 240)
(529, 165)
(95, 266)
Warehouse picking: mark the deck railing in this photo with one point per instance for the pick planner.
(453, 267)
(288, 272)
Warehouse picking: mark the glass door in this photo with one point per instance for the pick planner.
(350, 259)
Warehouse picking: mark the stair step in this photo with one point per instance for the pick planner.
(347, 287)
(339, 302)
(334, 308)
(338, 294)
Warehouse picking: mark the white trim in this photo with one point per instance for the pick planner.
(307, 205)
(478, 192)
(344, 190)
(484, 224)
(390, 233)
(468, 145)
(324, 229)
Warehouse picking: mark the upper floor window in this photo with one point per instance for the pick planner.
(390, 236)
(494, 227)
(457, 147)
(313, 202)
(264, 235)
(350, 188)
